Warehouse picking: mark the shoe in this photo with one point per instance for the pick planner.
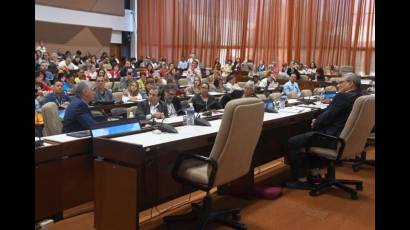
(299, 185)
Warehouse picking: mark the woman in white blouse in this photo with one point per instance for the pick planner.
(132, 93)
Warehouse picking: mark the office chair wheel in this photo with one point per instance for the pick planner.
(314, 193)
(354, 196)
(359, 187)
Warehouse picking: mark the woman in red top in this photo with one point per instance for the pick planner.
(40, 83)
(114, 73)
(150, 70)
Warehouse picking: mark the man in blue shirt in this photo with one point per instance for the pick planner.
(182, 64)
(291, 85)
(78, 116)
(48, 76)
(58, 96)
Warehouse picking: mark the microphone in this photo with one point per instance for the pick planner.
(166, 128)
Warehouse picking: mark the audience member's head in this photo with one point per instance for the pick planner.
(153, 96)
(100, 82)
(197, 81)
(170, 91)
(67, 60)
(101, 73)
(204, 89)
(349, 82)
(248, 89)
(85, 91)
(133, 88)
(43, 66)
(320, 71)
(39, 77)
(231, 79)
(58, 88)
(293, 77)
(149, 84)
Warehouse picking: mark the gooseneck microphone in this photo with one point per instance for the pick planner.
(166, 128)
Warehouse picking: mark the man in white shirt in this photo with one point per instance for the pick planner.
(41, 47)
(67, 64)
(269, 80)
(192, 58)
(231, 84)
(182, 64)
(226, 68)
(291, 85)
(194, 69)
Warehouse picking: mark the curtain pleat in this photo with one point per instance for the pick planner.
(338, 32)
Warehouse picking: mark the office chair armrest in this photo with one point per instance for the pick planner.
(183, 157)
(327, 138)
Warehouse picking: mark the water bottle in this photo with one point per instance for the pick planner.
(282, 102)
(190, 113)
(131, 115)
(321, 98)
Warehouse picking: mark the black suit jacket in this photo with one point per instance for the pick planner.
(143, 109)
(333, 119)
(201, 106)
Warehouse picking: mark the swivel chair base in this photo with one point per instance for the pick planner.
(203, 215)
(330, 180)
(360, 161)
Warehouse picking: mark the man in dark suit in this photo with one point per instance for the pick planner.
(152, 108)
(77, 115)
(172, 102)
(330, 122)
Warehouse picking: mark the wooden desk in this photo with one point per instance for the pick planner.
(132, 177)
(64, 177)
(309, 84)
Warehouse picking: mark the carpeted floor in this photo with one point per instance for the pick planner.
(333, 210)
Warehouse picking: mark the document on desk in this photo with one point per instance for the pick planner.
(273, 116)
(216, 93)
(151, 138)
(170, 120)
(61, 138)
(292, 101)
(294, 109)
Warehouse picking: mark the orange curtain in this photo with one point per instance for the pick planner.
(339, 32)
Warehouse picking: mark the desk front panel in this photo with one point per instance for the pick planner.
(154, 164)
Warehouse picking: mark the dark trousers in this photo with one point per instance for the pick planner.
(299, 161)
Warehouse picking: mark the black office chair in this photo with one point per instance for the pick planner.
(206, 172)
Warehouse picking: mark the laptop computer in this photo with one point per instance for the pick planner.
(128, 126)
(329, 95)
